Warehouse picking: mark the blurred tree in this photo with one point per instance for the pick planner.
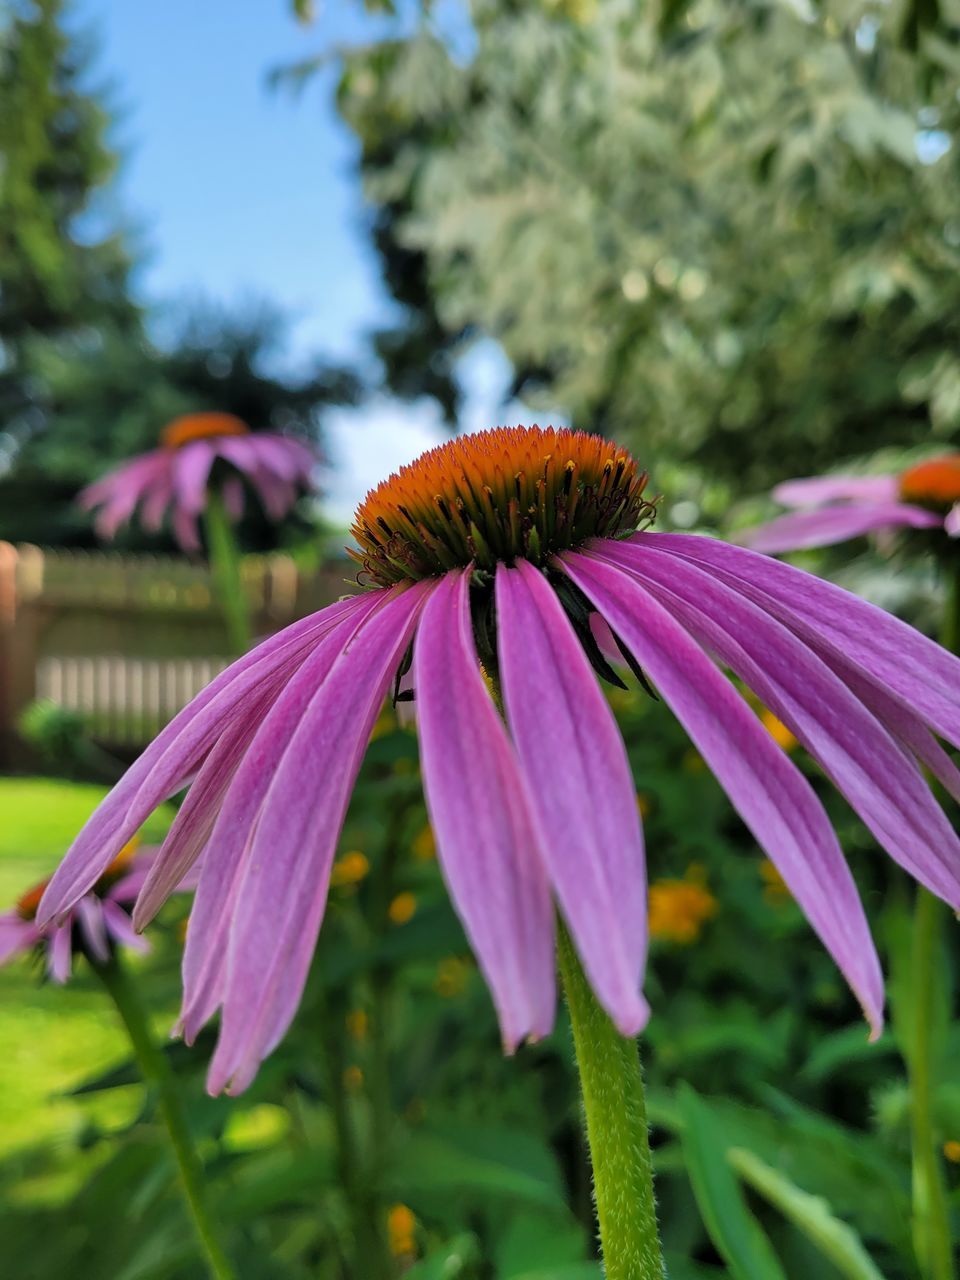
(104, 396)
(728, 232)
(63, 268)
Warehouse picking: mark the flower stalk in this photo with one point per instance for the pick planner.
(159, 1077)
(225, 566)
(611, 1080)
(932, 1239)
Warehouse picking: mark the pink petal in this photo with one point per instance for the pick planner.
(817, 490)
(829, 525)
(771, 795)
(281, 901)
(881, 782)
(207, 934)
(485, 841)
(176, 753)
(16, 935)
(120, 928)
(195, 818)
(952, 522)
(908, 664)
(581, 791)
(89, 917)
(185, 529)
(60, 952)
(191, 473)
(233, 498)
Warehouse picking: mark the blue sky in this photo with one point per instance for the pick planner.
(245, 192)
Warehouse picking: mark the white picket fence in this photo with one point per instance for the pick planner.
(125, 701)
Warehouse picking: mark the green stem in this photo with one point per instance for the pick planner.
(931, 1211)
(931, 1208)
(158, 1076)
(225, 565)
(613, 1101)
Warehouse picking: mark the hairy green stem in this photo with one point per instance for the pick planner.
(931, 1210)
(613, 1103)
(225, 565)
(159, 1077)
(931, 1207)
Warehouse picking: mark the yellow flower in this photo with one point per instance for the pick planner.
(402, 908)
(401, 1225)
(350, 869)
(774, 886)
(424, 845)
(451, 976)
(679, 908)
(951, 1149)
(358, 1024)
(778, 731)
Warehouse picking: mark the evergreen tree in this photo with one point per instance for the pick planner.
(61, 268)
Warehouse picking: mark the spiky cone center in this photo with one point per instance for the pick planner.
(934, 484)
(27, 904)
(201, 426)
(500, 495)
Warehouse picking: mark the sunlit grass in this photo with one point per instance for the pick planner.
(53, 1037)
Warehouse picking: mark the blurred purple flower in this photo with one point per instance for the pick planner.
(177, 476)
(501, 549)
(95, 923)
(835, 508)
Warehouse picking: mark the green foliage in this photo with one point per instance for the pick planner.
(62, 266)
(718, 232)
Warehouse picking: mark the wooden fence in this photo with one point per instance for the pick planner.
(126, 641)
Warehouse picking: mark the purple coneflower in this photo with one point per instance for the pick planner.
(493, 562)
(832, 509)
(177, 476)
(95, 924)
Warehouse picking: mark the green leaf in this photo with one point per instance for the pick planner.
(446, 1263)
(494, 1162)
(835, 1238)
(735, 1233)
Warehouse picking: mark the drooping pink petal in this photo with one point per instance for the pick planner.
(817, 490)
(127, 483)
(208, 931)
(896, 714)
(479, 812)
(907, 663)
(581, 791)
(881, 782)
(829, 525)
(185, 529)
(277, 495)
(191, 473)
(772, 796)
(176, 753)
(156, 501)
(16, 935)
(118, 925)
(281, 901)
(195, 818)
(89, 917)
(60, 952)
(286, 458)
(233, 499)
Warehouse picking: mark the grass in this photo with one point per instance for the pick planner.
(53, 1037)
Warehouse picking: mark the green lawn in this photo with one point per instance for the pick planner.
(52, 1037)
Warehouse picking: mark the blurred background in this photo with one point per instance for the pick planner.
(725, 234)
